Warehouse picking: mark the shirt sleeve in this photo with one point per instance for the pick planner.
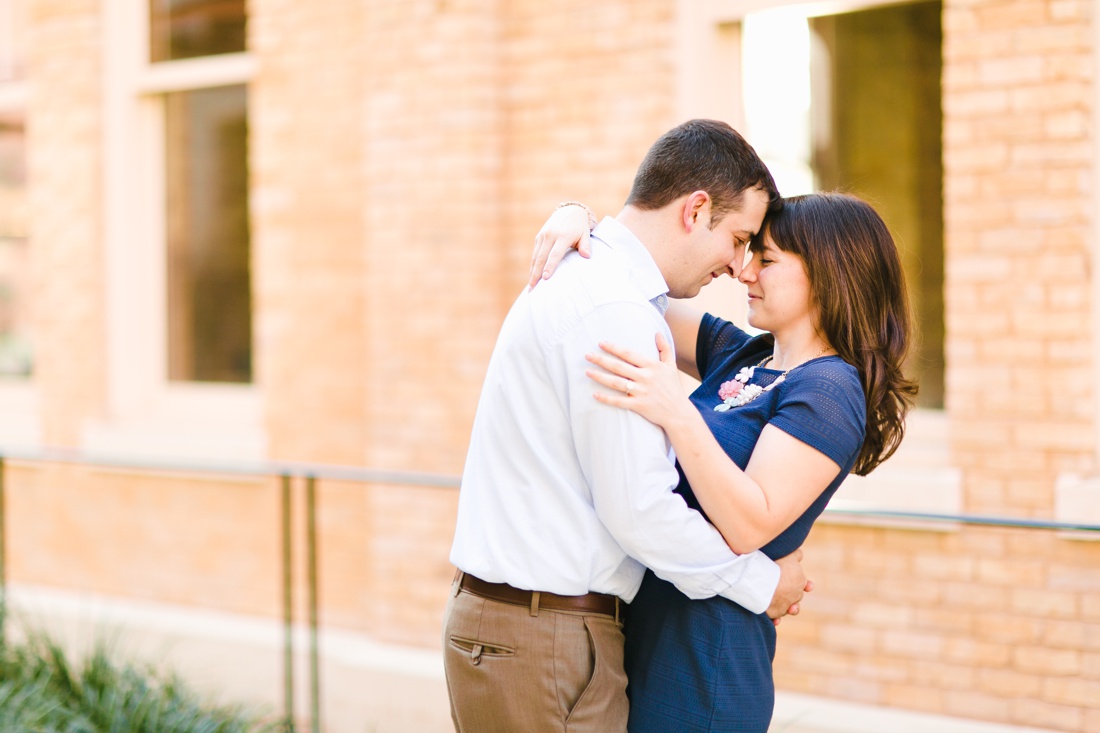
(824, 407)
(628, 465)
(716, 336)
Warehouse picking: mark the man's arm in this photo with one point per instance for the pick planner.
(626, 462)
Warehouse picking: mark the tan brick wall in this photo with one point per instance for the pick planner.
(310, 287)
(203, 541)
(403, 154)
(64, 171)
(989, 623)
(433, 149)
(590, 87)
(480, 118)
(1018, 155)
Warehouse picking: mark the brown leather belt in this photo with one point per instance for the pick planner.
(600, 603)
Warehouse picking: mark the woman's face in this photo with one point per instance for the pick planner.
(779, 289)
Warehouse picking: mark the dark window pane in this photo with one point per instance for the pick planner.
(183, 29)
(209, 293)
(13, 37)
(878, 133)
(15, 341)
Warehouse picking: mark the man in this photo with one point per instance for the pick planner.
(565, 501)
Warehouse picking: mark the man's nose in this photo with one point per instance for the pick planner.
(737, 264)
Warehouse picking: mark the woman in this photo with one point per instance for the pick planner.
(776, 425)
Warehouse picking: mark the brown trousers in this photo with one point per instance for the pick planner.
(511, 669)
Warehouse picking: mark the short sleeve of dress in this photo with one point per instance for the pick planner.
(717, 336)
(823, 405)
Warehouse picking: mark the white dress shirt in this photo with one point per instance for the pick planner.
(564, 494)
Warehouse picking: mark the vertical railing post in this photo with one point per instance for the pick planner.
(314, 662)
(3, 553)
(288, 603)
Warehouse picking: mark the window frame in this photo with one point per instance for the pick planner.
(1077, 494)
(20, 412)
(8, 15)
(709, 37)
(146, 413)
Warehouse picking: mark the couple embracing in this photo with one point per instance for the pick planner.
(624, 550)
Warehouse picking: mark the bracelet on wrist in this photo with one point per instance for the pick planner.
(592, 221)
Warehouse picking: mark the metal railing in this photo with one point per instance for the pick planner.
(311, 473)
(286, 472)
(977, 520)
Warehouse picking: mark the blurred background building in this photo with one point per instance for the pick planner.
(234, 233)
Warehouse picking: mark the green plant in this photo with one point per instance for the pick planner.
(42, 691)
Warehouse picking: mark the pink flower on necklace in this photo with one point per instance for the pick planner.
(729, 389)
(739, 392)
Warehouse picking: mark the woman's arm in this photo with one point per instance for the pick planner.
(751, 507)
(684, 321)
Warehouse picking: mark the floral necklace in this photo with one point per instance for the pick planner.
(738, 391)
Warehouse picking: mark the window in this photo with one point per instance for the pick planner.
(177, 236)
(208, 293)
(12, 40)
(16, 358)
(878, 133)
(849, 101)
(15, 333)
(184, 29)
(20, 414)
(853, 103)
(209, 303)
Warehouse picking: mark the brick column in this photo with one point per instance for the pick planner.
(590, 87)
(1018, 155)
(433, 151)
(64, 139)
(306, 122)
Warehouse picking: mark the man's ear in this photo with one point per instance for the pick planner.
(696, 210)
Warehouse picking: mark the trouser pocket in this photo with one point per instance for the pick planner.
(476, 649)
(583, 679)
(603, 699)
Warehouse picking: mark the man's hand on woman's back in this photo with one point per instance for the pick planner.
(793, 584)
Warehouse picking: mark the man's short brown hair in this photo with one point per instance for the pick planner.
(701, 155)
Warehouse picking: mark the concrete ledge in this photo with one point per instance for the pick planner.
(795, 713)
(366, 685)
(1077, 499)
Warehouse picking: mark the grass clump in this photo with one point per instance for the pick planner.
(42, 691)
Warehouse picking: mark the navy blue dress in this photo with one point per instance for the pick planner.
(701, 666)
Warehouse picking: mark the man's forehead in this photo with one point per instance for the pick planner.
(744, 223)
(754, 205)
(745, 219)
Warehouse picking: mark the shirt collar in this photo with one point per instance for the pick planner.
(643, 270)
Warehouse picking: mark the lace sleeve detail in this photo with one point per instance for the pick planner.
(823, 406)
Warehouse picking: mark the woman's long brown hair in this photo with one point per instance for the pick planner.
(856, 280)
